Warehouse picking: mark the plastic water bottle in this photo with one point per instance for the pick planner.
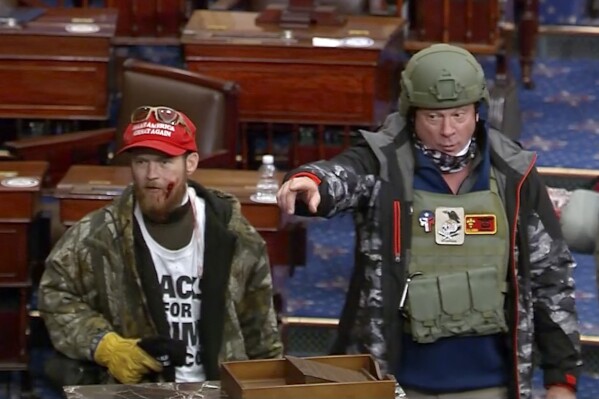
(267, 186)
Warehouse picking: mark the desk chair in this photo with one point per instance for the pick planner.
(212, 105)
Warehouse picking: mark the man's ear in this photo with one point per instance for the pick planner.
(191, 163)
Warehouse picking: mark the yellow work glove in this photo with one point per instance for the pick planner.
(126, 361)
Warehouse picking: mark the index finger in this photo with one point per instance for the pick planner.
(286, 204)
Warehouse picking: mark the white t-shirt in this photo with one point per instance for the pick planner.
(179, 273)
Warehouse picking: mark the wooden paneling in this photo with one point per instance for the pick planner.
(461, 21)
(473, 24)
(39, 89)
(62, 48)
(17, 206)
(312, 94)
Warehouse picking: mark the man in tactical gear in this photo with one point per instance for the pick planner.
(460, 263)
(168, 280)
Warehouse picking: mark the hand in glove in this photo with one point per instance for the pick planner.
(168, 351)
(125, 360)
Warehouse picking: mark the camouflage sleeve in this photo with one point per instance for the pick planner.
(65, 294)
(347, 180)
(555, 318)
(256, 313)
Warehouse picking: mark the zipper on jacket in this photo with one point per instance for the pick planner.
(396, 231)
(514, 276)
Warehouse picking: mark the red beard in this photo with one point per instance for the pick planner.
(158, 202)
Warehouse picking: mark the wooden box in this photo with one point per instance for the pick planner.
(324, 377)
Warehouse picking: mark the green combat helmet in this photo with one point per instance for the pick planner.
(442, 76)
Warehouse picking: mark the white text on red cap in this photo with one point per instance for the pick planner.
(161, 129)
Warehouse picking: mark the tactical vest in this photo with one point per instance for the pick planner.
(458, 265)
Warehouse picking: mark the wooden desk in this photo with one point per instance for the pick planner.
(20, 206)
(291, 77)
(294, 79)
(55, 74)
(86, 188)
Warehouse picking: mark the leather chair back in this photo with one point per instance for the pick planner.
(210, 103)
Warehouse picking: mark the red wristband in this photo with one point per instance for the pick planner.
(309, 175)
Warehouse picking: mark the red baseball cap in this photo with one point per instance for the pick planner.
(172, 139)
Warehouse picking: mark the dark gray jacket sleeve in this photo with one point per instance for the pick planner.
(346, 181)
(556, 322)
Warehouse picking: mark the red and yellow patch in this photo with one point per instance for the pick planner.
(481, 224)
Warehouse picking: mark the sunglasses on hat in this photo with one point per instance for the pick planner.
(162, 114)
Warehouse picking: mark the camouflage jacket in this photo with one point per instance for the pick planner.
(99, 277)
(374, 180)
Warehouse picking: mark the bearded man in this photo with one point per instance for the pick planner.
(169, 279)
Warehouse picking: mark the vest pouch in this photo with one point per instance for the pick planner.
(455, 303)
(424, 309)
(488, 298)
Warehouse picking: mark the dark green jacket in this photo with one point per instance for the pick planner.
(99, 277)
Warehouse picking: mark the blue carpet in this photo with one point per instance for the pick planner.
(560, 115)
(329, 261)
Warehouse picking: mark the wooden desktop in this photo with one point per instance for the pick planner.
(20, 184)
(88, 187)
(57, 65)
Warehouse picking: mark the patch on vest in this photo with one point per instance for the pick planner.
(481, 224)
(449, 226)
(426, 219)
